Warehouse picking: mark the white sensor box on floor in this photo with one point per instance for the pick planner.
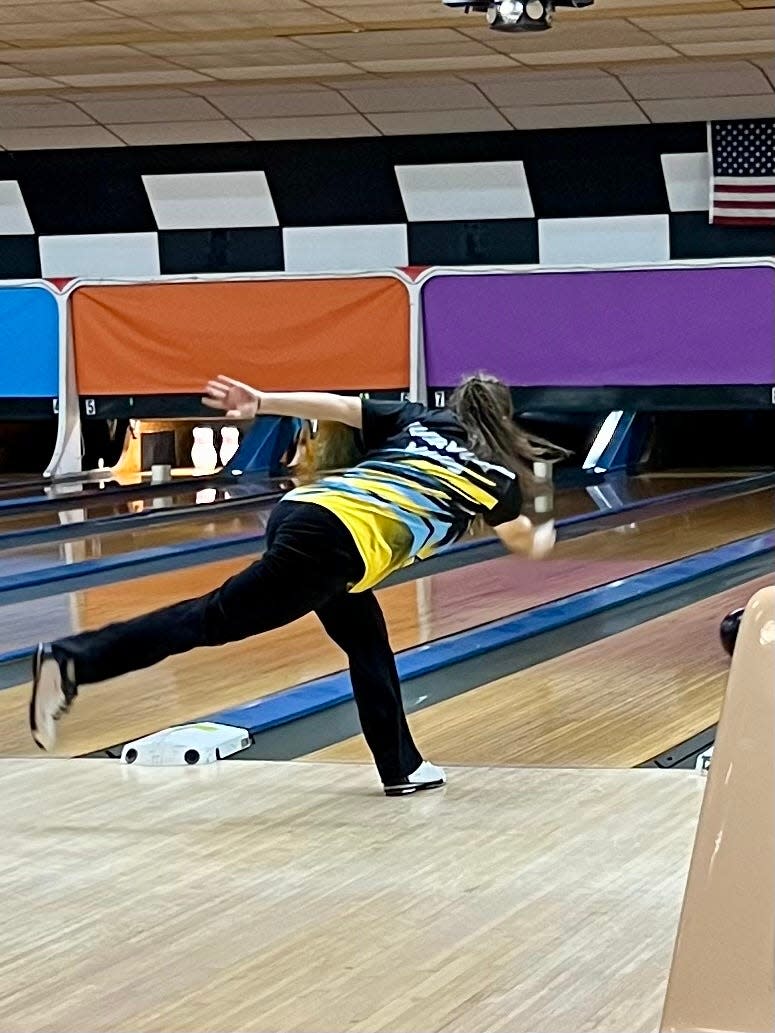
(203, 743)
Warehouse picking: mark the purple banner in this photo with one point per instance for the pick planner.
(603, 329)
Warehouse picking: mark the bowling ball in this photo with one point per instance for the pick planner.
(729, 629)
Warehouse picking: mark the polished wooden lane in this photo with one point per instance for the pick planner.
(568, 502)
(205, 681)
(265, 897)
(617, 702)
(114, 543)
(78, 515)
(615, 553)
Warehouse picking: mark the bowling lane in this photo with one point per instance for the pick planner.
(243, 520)
(205, 681)
(617, 702)
(78, 512)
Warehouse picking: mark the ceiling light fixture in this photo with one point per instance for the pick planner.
(517, 15)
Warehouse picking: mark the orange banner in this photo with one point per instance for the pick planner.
(169, 338)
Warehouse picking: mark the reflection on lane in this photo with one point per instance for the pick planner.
(652, 536)
(112, 543)
(79, 511)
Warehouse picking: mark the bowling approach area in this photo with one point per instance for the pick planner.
(294, 896)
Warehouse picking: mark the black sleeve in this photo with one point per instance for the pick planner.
(507, 508)
(384, 420)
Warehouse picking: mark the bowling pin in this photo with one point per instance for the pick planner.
(544, 500)
(229, 444)
(203, 455)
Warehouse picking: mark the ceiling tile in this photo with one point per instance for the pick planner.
(366, 51)
(240, 89)
(576, 72)
(75, 30)
(237, 20)
(563, 116)
(613, 32)
(150, 109)
(143, 8)
(59, 137)
(642, 8)
(55, 113)
(731, 34)
(74, 54)
(277, 104)
(30, 82)
(52, 12)
(53, 63)
(438, 64)
(356, 80)
(204, 62)
(7, 71)
(544, 88)
(678, 69)
(406, 82)
(322, 127)
(765, 46)
(282, 72)
(140, 94)
(700, 109)
(613, 54)
(130, 78)
(76, 44)
(702, 82)
(768, 67)
(395, 12)
(454, 96)
(380, 38)
(34, 97)
(461, 121)
(707, 20)
(181, 49)
(147, 134)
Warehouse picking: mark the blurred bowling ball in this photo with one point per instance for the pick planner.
(729, 629)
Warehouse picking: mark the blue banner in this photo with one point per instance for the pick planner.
(29, 343)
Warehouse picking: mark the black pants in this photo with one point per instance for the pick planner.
(310, 562)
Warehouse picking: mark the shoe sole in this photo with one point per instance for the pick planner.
(408, 790)
(46, 683)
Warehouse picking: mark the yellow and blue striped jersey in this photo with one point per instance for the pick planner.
(417, 489)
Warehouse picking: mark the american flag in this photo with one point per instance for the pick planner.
(743, 173)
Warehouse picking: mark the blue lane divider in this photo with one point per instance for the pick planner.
(323, 693)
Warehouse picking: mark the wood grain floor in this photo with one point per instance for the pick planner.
(568, 502)
(618, 702)
(184, 688)
(295, 897)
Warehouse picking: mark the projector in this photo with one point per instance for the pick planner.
(516, 15)
(202, 743)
